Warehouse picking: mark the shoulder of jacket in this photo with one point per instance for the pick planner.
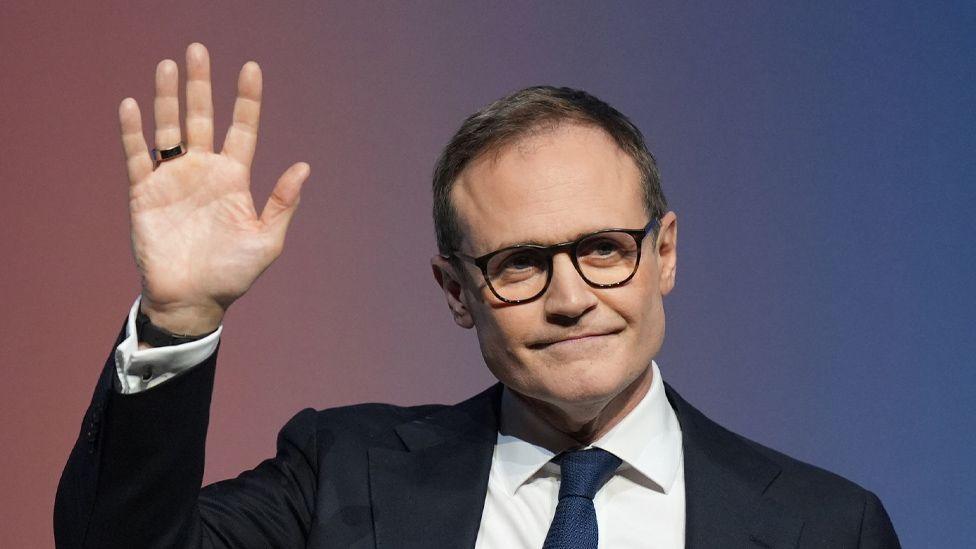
(366, 420)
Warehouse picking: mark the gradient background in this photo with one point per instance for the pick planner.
(819, 156)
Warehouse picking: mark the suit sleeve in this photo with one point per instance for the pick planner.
(133, 477)
(877, 532)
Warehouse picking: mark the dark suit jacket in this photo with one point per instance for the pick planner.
(384, 476)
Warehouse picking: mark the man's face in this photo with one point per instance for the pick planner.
(551, 187)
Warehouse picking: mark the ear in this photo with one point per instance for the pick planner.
(451, 282)
(667, 251)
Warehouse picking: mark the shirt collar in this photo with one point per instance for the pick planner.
(648, 439)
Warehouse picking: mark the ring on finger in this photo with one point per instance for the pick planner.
(162, 155)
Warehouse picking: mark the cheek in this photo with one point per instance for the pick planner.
(646, 306)
(643, 310)
(501, 331)
(652, 334)
(650, 327)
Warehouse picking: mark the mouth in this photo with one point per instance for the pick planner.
(584, 338)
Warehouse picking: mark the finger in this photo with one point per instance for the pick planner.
(137, 161)
(167, 105)
(284, 198)
(243, 133)
(199, 101)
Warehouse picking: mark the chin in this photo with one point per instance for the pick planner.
(567, 379)
(583, 385)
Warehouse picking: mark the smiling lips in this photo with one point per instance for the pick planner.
(589, 336)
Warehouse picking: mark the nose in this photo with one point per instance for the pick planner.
(568, 296)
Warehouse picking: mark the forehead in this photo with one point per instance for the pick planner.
(548, 187)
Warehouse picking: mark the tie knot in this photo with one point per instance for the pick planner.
(585, 471)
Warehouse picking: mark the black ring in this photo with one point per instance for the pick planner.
(162, 155)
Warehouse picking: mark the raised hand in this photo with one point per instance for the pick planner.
(196, 237)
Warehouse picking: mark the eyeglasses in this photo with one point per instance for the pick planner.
(522, 273)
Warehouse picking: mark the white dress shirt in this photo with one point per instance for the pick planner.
(642, 505)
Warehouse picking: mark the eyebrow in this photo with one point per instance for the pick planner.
(540, 243)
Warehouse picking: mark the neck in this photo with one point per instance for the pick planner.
(589, 424)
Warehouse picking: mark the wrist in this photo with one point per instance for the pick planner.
(185, 320)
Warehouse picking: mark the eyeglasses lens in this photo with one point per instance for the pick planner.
(603, 258)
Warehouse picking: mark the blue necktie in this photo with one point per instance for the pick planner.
(583, 473)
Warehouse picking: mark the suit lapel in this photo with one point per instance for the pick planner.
(725, 482)
(432, 495)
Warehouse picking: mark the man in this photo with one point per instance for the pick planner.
(555, 245)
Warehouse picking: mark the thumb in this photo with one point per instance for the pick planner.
(284, 198)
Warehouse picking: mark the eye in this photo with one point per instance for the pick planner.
(521, 261)
(601, 248)
(606, 247)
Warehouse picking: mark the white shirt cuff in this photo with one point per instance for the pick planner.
(139, 370)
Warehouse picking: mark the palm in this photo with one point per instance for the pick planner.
(195, 231)
(196, 236)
